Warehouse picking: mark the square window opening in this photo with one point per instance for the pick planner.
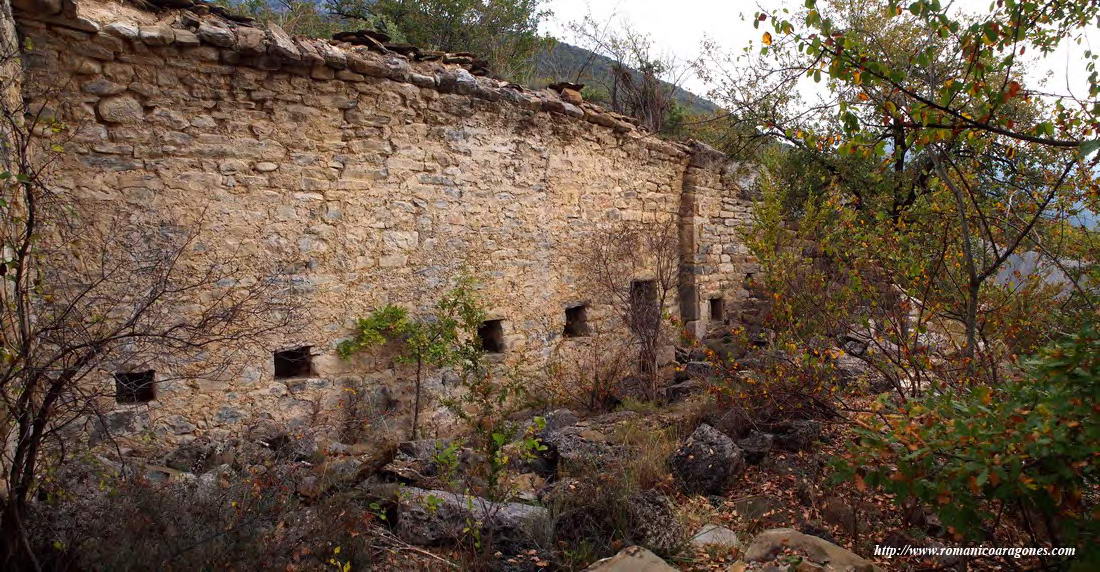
(135, 386)
(717, 309)
(576, 322)
(292, 363)
(491, 333)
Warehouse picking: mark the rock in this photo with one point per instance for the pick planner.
(559, 419)
(432, 517)
(103, 87)
(457, 81)
(754, 507)
(816, 528)
(715, 535)
(654, 521)
(768, 544)
(416, 462)
(631, 559)
(250, 41)
(123, 30)
(159, 35)
(574, 445)
(216, 35)
(682, 390)
(186, 39)
(796, 435)
(280, 44)
(707, 462)
(837, 512)
(572, 96)
(191, 457)
(120, 109)
(756, 446)
(732, 422)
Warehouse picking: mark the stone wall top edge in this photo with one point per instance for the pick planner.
(242, 43)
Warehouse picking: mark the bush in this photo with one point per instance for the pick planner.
(1027, 447)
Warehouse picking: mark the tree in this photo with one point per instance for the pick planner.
(925, 166)
(87, 293)
(505, 32)
(640, 83)
(436, 340)
(636, 266)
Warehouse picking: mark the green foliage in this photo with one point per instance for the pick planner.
(447, 337)
(505, 32)
(1028, 446)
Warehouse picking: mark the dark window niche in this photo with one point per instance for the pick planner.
(717, 309)
(135, 386)
(576, 322)
(292, 363)
(491, 333)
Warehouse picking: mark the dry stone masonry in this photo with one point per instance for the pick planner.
(372, 173)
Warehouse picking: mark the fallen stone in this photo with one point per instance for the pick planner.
(654, 521)
(756, 446)
(796, 435)
(707, 462)
(714, 535)
(631, 559)
(433, 517)
(770, 543)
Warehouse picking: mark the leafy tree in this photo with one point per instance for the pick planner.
(505, 32)
(1029, 445)
(446, 337)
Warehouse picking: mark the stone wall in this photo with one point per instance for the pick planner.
(11, 77)
(372, 178)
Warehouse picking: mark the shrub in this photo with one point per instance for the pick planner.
(1027, 447)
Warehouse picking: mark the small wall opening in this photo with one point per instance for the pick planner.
(576, 322)
(717, 309)
(135, 386)
(295, 362)
(491, 333)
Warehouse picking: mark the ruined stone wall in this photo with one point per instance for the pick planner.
(373, 180)
(11, 77)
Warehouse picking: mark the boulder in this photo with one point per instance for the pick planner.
(796, 435)
(684, 389)
(559, 419)
(713, 535)
(631, 559)
(433, 517)
(707, 462)
(654, 521)
(770, 543)
(415, 461)
(756, 446)
(576, 445)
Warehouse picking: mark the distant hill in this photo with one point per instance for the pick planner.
(561, 62)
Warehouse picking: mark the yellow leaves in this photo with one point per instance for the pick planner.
(767, 39)
(857, 77)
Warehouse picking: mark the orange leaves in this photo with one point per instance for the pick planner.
(767, 39)
(1012, 89)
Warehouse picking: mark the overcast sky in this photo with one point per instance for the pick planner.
(678, 26)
